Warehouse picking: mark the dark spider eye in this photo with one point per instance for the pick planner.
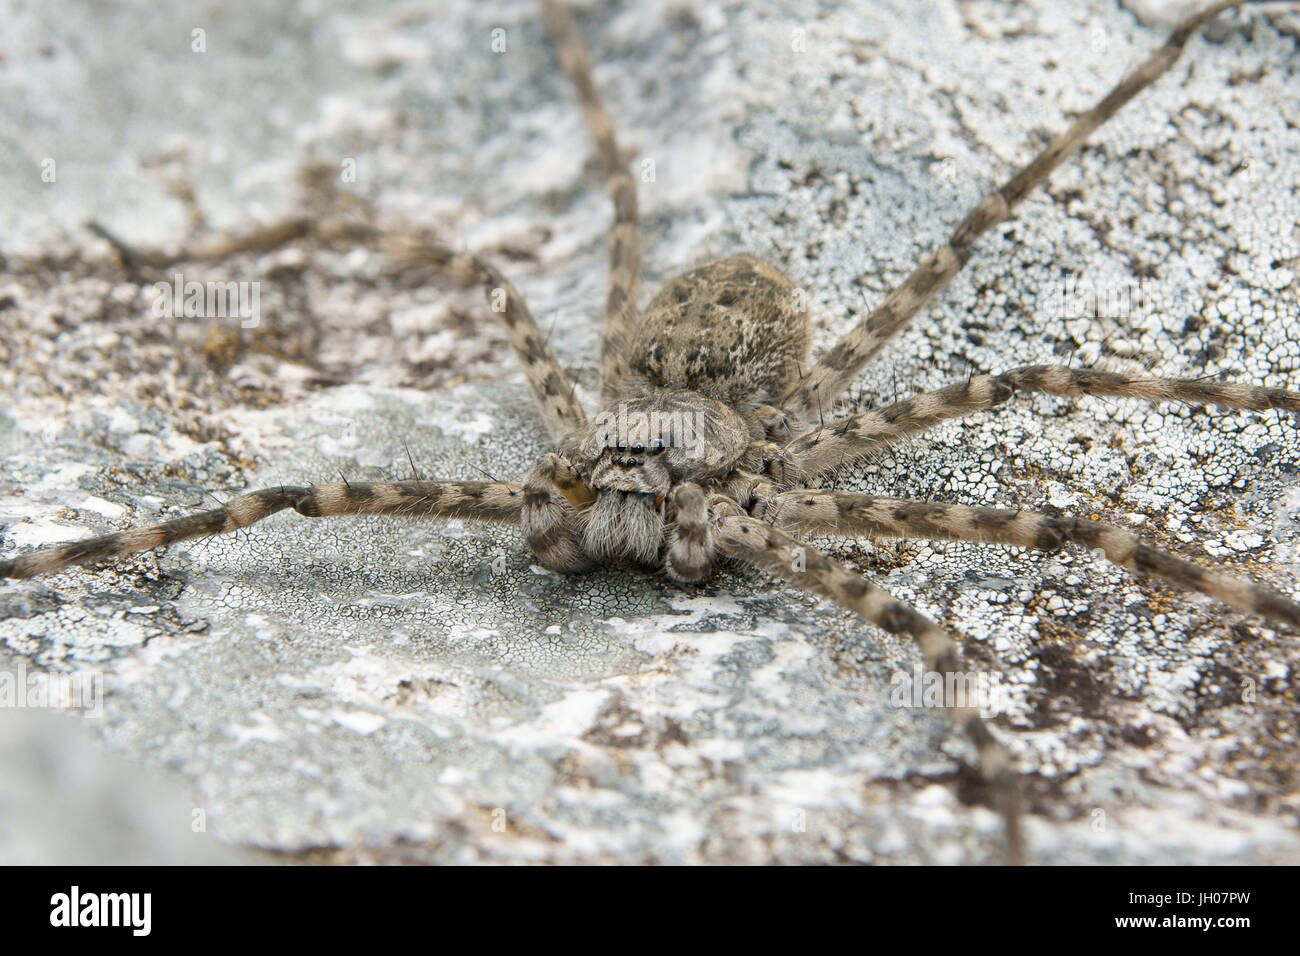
(656, 445)
(638, 449)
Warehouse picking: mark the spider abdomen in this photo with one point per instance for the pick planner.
(733, 329)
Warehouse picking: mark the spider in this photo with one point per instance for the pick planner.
(712, 437)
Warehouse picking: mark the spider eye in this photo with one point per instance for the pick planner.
(638, 449)
(656, 445)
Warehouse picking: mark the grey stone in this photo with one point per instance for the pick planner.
(367, 689)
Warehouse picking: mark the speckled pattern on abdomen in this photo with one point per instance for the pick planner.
(735, 330)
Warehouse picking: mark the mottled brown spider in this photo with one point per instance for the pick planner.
(710, 439)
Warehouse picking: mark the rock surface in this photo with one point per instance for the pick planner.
(367, 689)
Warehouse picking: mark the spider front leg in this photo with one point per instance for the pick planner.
(837, 444)
(485, 500)
(692, 544)
(836, 369)
(625, 235)
(551, 386)
(776, 552)
(846, 513)
(553, 497)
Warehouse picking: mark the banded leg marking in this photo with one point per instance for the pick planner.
(836, 444)
(833, 373)
(625, 235)
(489, 501)
(846, 513)
(785, 557)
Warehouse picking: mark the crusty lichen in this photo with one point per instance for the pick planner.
(400, 691)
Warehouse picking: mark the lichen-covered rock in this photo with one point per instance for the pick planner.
(399, 691)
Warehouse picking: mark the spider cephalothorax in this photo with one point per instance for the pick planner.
(633, 456)
(710, 441)
(656, 438)
(716, 343)
(714, 346)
